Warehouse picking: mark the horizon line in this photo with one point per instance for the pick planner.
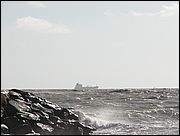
(98, 88)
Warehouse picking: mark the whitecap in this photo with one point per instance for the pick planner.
(94, 121)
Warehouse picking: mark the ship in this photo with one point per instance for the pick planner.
(79, 86)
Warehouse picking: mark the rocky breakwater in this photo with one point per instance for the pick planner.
(24, 113)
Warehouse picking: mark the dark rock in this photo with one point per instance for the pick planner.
(24, 113)
(58, 130)
(42, 128)
(29, 116)
(34, 99)
(11, 121)
(45, 120)
(11, 110)
(4, 129)
(41, 113)
(20, 106)
(4, 99)
(4, 102)
(22, 129)
(50, 106)
(14, 95)
(73, 129)
(17, 91)
(65, 114)
(86, 130)
(54, 118)
(62, 124)
(41, 108)
(23, 93)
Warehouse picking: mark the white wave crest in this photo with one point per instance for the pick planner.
(94, 121)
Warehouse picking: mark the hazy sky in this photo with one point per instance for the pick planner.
(110, 44)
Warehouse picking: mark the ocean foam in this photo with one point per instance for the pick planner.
(94, 121)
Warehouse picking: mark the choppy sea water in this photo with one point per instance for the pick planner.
(122, 112)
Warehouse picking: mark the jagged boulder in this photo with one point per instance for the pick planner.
(24, 113)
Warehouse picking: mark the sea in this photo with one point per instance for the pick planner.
(142, 111)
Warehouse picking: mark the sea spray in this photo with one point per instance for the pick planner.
(94, 121)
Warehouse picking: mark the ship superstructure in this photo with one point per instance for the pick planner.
(79, 86)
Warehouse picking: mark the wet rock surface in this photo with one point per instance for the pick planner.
(23, 113)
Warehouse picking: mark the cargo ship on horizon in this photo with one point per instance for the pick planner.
(79, 86)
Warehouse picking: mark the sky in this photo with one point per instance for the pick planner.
(112, 44)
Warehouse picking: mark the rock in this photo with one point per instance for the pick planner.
(20, 106)
(21, 129)
(14, 95)
(85, 129)
(4, 103)
(11, 121)
(4, 129)
(24, 113)
(29, 116)
(42, 128)
(46, 120)
(74, 129)
(45, 127)
(65, 114)
(4, 99)
(54, 119)
(41, 108)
